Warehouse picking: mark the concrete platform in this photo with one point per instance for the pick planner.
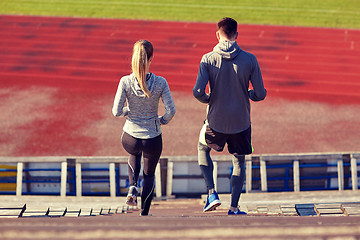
(184, 219)
(288, 203)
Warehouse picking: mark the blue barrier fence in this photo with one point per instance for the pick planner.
(314, 175)
(71, 181)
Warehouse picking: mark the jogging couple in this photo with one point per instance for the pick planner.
(228, 71)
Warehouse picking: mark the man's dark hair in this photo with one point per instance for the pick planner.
(228, 26)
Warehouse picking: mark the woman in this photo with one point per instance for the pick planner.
(142, 133)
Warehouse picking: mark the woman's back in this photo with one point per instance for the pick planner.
(142, 133)
(142, 112)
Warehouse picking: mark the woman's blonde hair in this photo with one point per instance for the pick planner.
(142, 52)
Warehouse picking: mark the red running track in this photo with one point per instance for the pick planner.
(314, 64)
(83, 60)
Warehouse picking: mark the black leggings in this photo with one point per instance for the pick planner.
(151, 150)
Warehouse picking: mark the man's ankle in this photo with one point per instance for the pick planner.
(211, 191)
(234, 209)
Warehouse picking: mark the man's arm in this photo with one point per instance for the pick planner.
(201, 82)
(259, 92)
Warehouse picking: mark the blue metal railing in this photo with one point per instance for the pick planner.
(286, 178)
(71, 181)
(100, 179)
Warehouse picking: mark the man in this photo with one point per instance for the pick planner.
(228, 70)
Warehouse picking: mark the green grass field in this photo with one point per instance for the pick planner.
(324, 13)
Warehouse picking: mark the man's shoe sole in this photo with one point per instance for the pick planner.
(213, 206)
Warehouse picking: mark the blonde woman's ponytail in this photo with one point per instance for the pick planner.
(142, 52)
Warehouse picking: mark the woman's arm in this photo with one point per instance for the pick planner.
(118, 109)
(168, 104)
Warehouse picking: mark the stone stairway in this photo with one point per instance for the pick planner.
(44, 206)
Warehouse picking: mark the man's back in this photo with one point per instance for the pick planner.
(228, 69)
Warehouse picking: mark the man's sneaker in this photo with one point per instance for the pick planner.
(238, 212)
(212, 202)
(131, 198)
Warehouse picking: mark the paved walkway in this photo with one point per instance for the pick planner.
(342, 203)
(184, 219)
(284, 203)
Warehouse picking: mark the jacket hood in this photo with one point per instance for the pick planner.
(136, 86)
(227, 49)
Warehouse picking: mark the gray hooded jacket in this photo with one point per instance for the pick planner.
(228, 70)
(142, 113)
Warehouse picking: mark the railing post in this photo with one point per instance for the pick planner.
(215, 173)
(354, 177)
(296, 175)
(78, 179)
(248, 175)
(170, 172)
(112, 179)
(63, 181)
(19, 177)
(158, 181)
(263, 175)
(340, 169)
(119, 174)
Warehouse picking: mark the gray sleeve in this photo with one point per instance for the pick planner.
(201, 82)
(259, 92)
(168, 104)
(118, 109)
